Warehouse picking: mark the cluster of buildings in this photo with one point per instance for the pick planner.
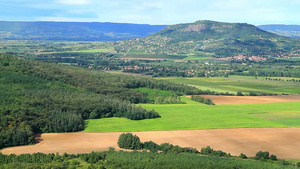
(243, 58)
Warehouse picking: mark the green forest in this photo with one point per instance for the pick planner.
(39, 97)
(169, 159)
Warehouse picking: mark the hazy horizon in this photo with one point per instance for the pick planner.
(155, 12)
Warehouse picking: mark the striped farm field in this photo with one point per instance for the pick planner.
(244, 84)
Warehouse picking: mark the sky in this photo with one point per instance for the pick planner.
(154, 12)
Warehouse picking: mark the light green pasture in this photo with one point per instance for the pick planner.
(245, 84)
(195, 115)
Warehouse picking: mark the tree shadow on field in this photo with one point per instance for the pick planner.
(38, 138)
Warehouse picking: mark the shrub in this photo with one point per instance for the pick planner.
(283, 162)
(150, 145)
(207, 150)
(219, 153)
(129, 141)
(201, 99)
(259, 155)
(243, 156)
(273, 157)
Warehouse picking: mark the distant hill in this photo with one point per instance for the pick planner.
(292, 31)
(79, 31)
(219, 38)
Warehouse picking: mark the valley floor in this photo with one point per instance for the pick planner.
(283, 142)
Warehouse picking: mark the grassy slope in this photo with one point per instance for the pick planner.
(244, 84)
(199, 116)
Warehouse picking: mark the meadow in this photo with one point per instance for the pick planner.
(152, 56)
(244, 84)
(107, 50)
(195, 115)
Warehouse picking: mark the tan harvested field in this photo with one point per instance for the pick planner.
(218, 99)
(283, 142)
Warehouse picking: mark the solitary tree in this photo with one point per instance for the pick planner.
(129, 141)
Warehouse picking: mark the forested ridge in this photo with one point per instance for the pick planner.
(41, 97)
(139, 160)
(81, 31)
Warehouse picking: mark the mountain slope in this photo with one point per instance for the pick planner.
(221, 39)
(292, 31)
(81, 31)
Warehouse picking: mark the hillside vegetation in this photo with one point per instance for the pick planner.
(221, 39)
(41, 97)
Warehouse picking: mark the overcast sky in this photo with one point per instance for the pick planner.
(168, 12)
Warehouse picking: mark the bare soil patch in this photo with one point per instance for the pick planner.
(283, 142)
(218, 99)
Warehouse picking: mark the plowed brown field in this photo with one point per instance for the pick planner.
(283, 142)
(218, 99)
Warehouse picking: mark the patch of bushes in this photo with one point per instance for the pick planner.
(265, 156)
(201, 99)
(130, 141)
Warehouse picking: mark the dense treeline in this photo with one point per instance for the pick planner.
(99, 82)
(143, 160)
(201, 99)
(41, 97)
(130, 141)
(156, 96)
(30, 105)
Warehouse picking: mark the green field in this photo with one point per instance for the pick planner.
(136, 51)
(107, 50)
(195, 115)
(153, 56)
(245, 84)
(197, 57)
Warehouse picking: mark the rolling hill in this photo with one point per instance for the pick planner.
(219, 38)
(77, 31)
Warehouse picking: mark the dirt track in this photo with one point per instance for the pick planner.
(283, 142)
(217, 99)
